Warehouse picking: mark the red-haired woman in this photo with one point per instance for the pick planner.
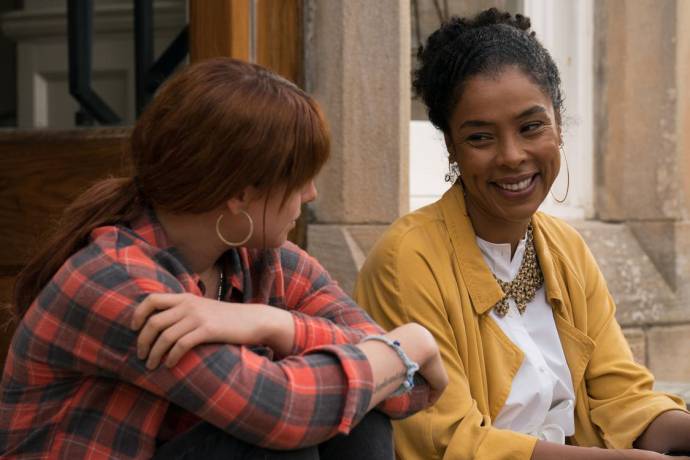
(168, 316)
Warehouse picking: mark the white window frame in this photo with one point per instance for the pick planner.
(566, 29)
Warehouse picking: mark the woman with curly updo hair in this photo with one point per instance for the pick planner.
(538, 365)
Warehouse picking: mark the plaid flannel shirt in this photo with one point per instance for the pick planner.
(73, 386)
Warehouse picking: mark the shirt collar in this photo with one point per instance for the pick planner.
(483, 289)
(498, 257)
(148, 228)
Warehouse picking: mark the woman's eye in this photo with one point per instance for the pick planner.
(532, 126)
(478, 138)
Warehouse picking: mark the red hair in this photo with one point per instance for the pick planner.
(213, 129)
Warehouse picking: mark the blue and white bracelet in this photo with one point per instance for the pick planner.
(410, 366)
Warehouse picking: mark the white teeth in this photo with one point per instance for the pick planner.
(517, 186)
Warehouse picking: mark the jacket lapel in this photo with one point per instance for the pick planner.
(502, 357)
(484, 292)
(577, 346)
(483, 289)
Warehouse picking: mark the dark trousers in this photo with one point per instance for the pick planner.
(371, 439)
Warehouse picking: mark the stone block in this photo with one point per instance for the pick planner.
(682, 259)
(636, 340)
(330, 247)
(366, 236)
(366, 180)
(641, 293)
(681, 389)
(667, 352)
(657, 239)
(342, 249)
(637, 170)
(683, 113)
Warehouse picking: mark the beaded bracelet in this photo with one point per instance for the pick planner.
(410, 366)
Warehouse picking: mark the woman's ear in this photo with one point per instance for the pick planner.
(233, 205)
(242, 200)
(238, 202)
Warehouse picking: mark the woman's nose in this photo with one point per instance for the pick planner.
(510, 153)
(309, 193)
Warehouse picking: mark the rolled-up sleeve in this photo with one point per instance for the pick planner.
(621, 399)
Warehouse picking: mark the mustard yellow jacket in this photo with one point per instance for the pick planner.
(427, 268)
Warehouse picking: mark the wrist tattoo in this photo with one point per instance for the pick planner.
(388, 380)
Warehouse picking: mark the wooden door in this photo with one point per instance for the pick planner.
(41, 171)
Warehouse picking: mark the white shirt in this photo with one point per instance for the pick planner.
(541, 400)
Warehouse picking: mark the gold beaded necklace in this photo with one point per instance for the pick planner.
(525, 285)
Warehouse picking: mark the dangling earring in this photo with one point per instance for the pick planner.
(236, 243)
(567, 186)
(453, 172)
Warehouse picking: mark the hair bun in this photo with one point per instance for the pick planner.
(463, 47)
(457, 26)
(493, 16)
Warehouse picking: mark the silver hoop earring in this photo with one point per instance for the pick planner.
(567, 186)
(236, 243)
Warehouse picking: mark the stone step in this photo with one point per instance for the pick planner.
(681, 389)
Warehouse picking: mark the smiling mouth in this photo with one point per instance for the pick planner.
(516, 186)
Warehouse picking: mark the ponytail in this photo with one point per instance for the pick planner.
(107, 202)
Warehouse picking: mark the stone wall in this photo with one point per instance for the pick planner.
(641, 163)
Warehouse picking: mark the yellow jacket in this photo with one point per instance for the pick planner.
(427, 268)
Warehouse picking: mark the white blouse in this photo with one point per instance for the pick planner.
(541, 400)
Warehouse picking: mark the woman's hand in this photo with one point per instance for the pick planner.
(173, 324)
(638, 454)
(422, 343)
(547, 450)
(388, 370)
(669, 431)
(435, 374)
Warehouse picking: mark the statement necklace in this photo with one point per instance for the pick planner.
(525, 285)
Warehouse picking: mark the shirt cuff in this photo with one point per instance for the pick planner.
(311, 332)
(399, 407)
(358, 380)
(506, 445)
(622, 431)
(301, 337)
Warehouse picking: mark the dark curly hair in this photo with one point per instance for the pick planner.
(482, 45)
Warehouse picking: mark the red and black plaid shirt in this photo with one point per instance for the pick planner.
(73, 386)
